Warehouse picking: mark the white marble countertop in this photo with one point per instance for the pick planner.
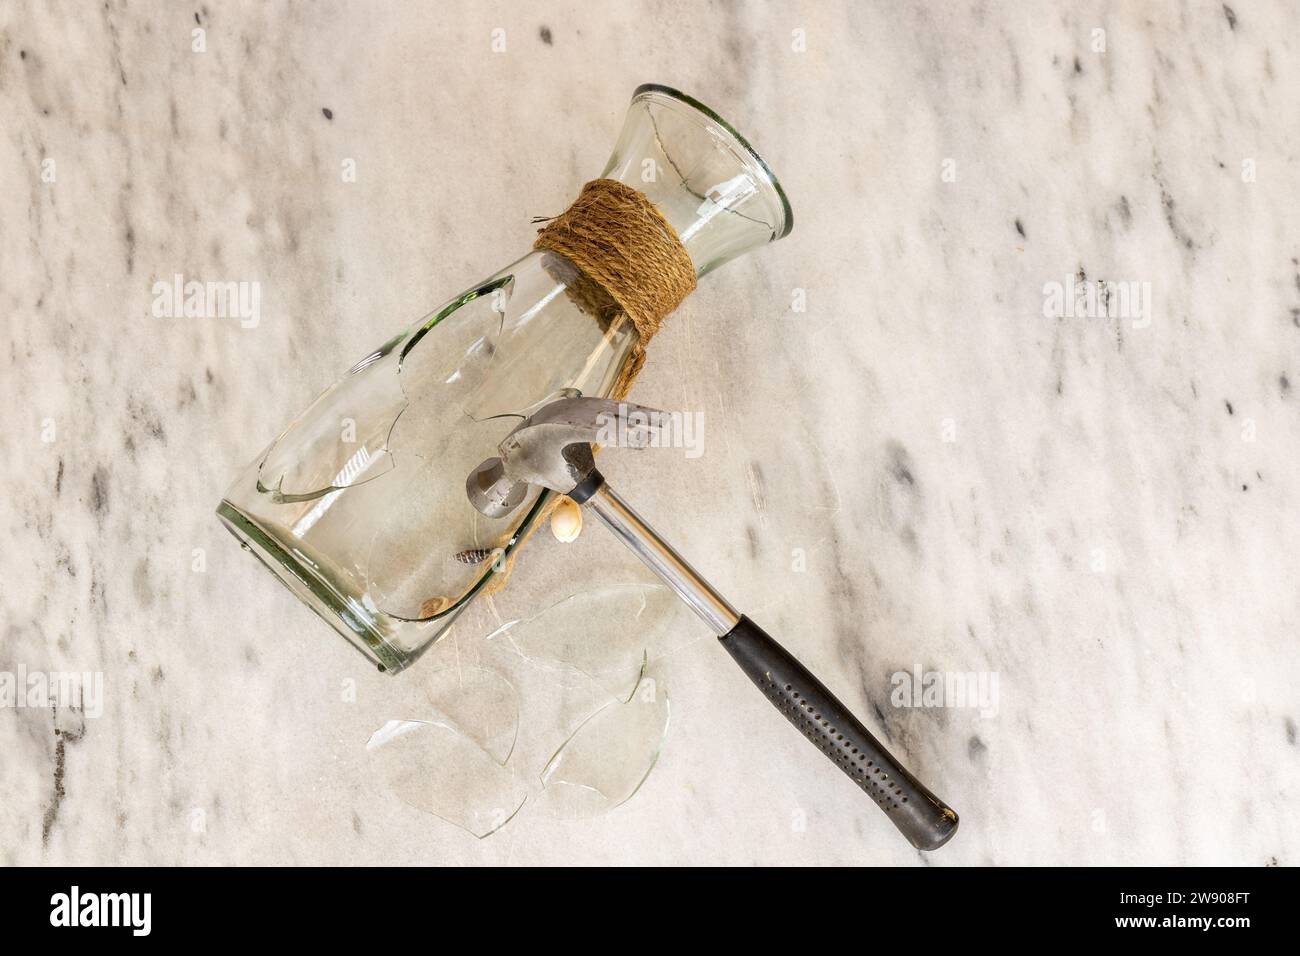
(1100, 513)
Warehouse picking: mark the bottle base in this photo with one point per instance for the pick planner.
(368, 630)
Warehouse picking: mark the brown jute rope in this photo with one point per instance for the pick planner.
(627, 250)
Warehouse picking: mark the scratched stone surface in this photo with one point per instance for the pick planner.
(927, 455)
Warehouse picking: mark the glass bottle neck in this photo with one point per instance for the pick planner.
(701, 174)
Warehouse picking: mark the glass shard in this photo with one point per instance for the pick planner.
(607, 759)
(607, 633)
(452, 759)
(435, 768)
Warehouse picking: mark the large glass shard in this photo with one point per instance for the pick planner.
(607, 759)
(478, 702)
(452, 759)
(607, 633)
(435, 768)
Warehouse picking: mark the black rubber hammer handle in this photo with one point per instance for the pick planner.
(926, 821)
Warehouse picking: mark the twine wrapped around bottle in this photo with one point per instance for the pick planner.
(629, 261)
(626, 252)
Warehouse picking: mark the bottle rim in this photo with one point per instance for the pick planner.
(787, 214)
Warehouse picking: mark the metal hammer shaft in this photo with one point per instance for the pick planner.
(630, 528)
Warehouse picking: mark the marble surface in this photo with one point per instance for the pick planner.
(1100, 514)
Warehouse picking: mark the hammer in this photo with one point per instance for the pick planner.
(552, 449)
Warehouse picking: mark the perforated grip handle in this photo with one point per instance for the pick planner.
(919, 815)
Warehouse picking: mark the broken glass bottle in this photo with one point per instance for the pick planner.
(359, 506)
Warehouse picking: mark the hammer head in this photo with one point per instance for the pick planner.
(552, 449)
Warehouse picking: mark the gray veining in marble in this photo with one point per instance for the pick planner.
(917, 469)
